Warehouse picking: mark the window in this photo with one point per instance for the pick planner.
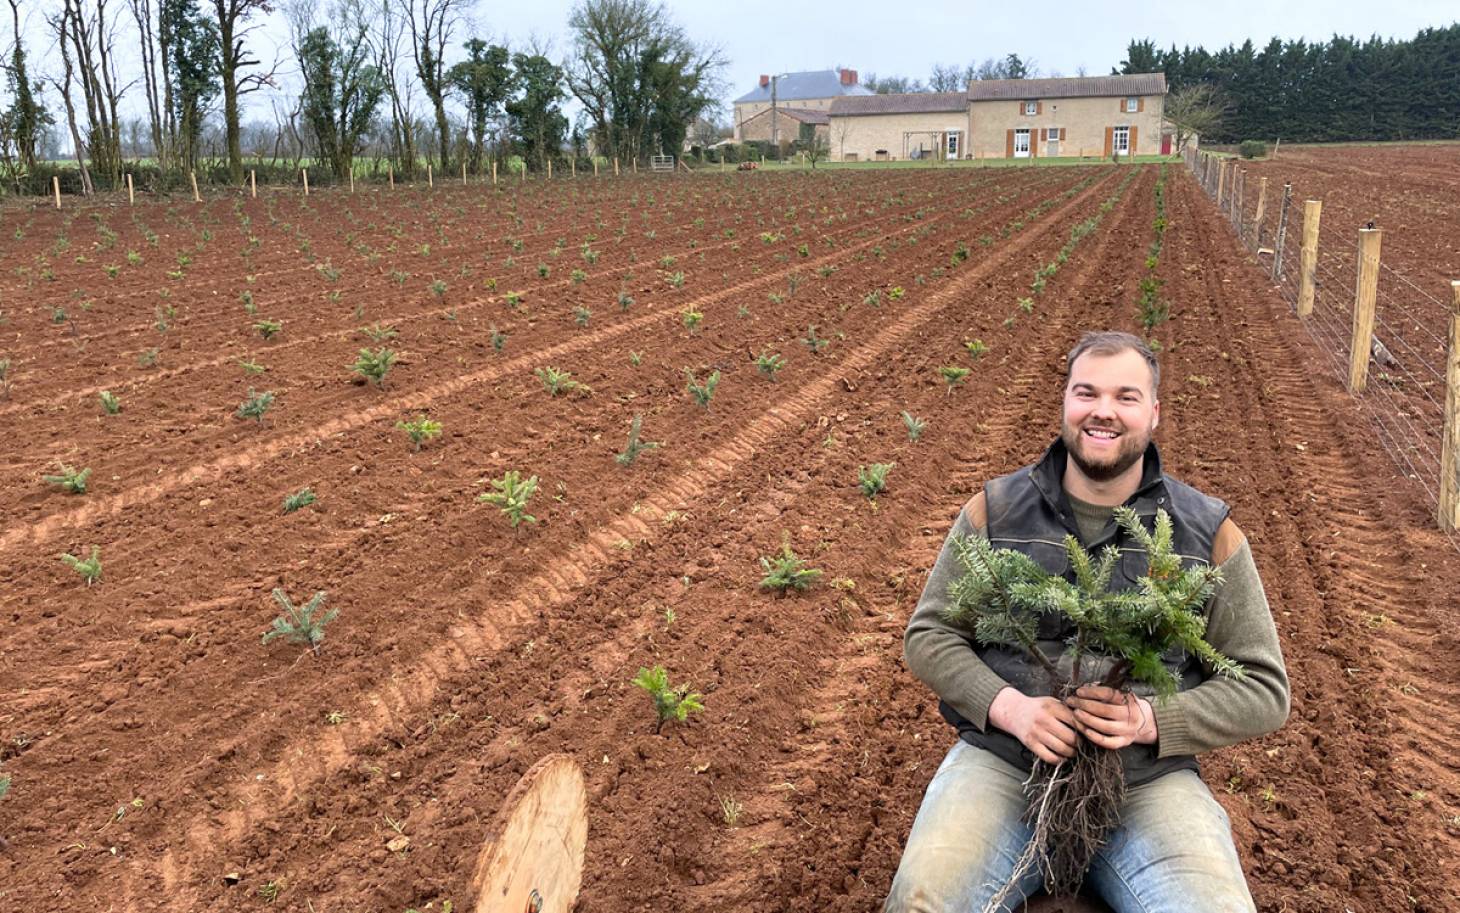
(1031, 108)
(1132, 105)
(1051, 133)
(1120, 140)
(954, 143)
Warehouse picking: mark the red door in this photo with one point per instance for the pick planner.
(1165, 144)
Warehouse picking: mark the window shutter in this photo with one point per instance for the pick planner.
(1039, 107)
(1140, 104)
(1034, 144)
(1109, 140)
(1009, 145)
(1133, 140)
(1062, 134)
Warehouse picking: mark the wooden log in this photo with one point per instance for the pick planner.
(1450, 443)
(1308, 263)
(1370, 240)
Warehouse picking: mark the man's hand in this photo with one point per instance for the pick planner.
(1113, 719)
(1043, 724)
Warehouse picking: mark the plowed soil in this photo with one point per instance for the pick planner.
(157, 745)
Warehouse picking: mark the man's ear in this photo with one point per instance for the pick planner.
(1155, 414)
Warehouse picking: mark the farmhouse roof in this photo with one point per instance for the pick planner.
(1074, 87)
(811, 84)
(804, 115)
(902, 103)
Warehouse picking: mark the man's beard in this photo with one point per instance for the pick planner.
(1132, 448)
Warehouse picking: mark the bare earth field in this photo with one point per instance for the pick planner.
(157, 745)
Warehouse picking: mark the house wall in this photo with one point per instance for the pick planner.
(744, 111)
(1084, 120)
(863, 135)
(759, 127)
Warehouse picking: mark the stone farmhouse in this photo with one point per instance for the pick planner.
(799, 98)
(1004, 118)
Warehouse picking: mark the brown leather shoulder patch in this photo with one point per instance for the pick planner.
(1229, 539)
(977, 511)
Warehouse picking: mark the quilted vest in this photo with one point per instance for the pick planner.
(1029, 511)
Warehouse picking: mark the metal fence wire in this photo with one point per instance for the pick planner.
(1404, 399)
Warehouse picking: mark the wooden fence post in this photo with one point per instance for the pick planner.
(352, 177)
(1450, 443)
(615, 166)
(1308, 264)
(430, 181)
(463, 174)
(56, 188)
(1221, 181)
(550, 169)
(1261, 211)
(1370, 240)
(305, 173)
(390, 174)
(193, 176)
(253, 183)
(573, 167)
(636, 164)
(595, 166)
(494, 172)
(131, 198)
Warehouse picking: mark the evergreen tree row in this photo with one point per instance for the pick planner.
(1340, 89)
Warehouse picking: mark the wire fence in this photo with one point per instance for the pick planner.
(1404, 398)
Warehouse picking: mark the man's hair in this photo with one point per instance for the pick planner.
(1113, 342)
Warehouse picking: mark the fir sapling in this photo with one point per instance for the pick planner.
(702, 393)
(268, 329)
(670, 703)
(873, 479)
(558, 382)
(301, 498)
(420, 430)
(915, 426)
(511, 496)
(374, 365)
(498, 338)
(110, 403)
(300, 624)
(692, 319)
(814, 342)
(72, 481)
(88, 568)
(255, 405)
(952, 375)
(977, 348)
(4, 785)
(785, 571)
(768, 363)
(635, 446)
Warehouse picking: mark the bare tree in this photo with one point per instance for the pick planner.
(92, 40)
(232, 58)
(841, 129)
(948, 78)
(1195, 109)
(385, 40)
(60, 23)
(431, 24)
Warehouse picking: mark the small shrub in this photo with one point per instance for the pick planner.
(768, 363)
(578, 277)
(670, 703)
(379, 332)
(625, 301)
(374, 365)
(895, 293)
(676, 279)
(255, 405)
(420, 430)
(702, 393)
(558, 382)
(301, 498)
(915, 426)
(873, 479)
(1252, 148)
(692, 319)
(514, 299)
(88, 568)
(511, 497)
(71, 481)
(300, 624)
(785, 571)
(268, 328)
(109, 402)
(953, 375)
(977, 348)
(581, 315)
(635, 446)
(543, 270)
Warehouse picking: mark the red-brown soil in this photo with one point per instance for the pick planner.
(464, 651)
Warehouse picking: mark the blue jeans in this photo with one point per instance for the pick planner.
(1172, 852)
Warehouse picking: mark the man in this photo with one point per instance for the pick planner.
(1173, 850)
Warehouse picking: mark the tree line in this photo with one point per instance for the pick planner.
(375, 81)
(1327, 91)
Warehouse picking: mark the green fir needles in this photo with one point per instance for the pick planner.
(255, 405)
(88, 568)
(914, 425)
(702, 393)
(557, 382)
(873, 479)
(670, 703)
(785, 571)
(420, 430)
(110, 403)
(635, 446)
(300, 624)
(768, 363)
(511, 496)
(71, 481)
(301, 498)
(374, 365)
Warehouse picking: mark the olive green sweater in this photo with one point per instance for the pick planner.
(1218, 712)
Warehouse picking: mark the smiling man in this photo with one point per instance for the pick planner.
(1173, 850)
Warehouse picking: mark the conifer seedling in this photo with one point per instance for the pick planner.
(785, 571)
(109, 402)
(420, 430)
(581, 315)
(952, 375)
(301, 498)
(915, 426)
(71, 481)
(692, 319)
(511, 496)
(625, 301)
(702, 393)
(670, 703)
(558, 382)
(374, 365)
(977, 348)
(268, 328)
(873, 479)
(635, 446)
(814, 342)
(255, 405)
(300, 624)
(250, 366)
(88, 568)
(498, 338)
(4, 785)
(768, 363)
(379, 332)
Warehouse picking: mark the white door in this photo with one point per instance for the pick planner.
(1021, 143)
(1052, 142)
(1120, 140)
(955, 138)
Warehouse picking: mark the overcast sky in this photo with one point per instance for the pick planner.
(892, 38)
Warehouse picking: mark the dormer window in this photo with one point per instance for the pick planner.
(1132, 104)
(1031, 108)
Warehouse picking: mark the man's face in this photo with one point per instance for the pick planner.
(1110, 411)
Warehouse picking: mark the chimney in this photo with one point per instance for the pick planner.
(849, 77)
(765, 81)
